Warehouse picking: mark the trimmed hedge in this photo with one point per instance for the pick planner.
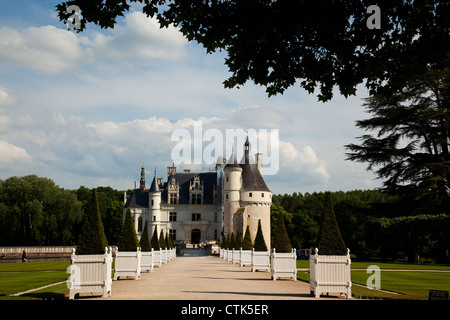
(281, 241)
(260, 243)
(92, 238)
(330, 241)
(128, 239)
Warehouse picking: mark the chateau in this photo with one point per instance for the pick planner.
(194, 207)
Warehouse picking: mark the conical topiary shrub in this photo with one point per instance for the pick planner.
(281, 241)
(166, 241)
(128, 239)
(238, 241)
(260, 243)
(231, 245)
(162, 242)
(224, 243)
(330, 241)
(247, 243)
(92, 237)
(145, 239)
(155, 242)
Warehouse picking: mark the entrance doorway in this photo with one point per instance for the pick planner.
(195, 236)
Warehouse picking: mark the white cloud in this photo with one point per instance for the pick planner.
(12, 154)
(46, 49)
(52, 50)
(5, 98)
(304, 163)
(139, 38)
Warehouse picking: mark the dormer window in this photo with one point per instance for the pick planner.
(173, 191)
(196, 191)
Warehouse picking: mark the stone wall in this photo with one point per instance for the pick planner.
(35, 254)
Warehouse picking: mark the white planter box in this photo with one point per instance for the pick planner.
(90, 273)
(164, 255)
(230, 255)
(236, 256)
(127, 264)
(330, 274)
(225, 254)
(147, 261)
(246, 258)
(283, 265)
(260, 260)
(221, 253)
(157, 262)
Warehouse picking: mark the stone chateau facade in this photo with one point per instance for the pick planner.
(194, 207)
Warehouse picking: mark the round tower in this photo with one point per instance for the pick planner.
(232, 181)
(256, 197)
(154, 205)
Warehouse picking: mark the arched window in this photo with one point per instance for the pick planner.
(140, 224)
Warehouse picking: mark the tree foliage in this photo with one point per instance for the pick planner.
(330, 241)
(144, 243)
(238, 240)
(128, 239)
(281, 240)
(92, 238)
(318, 44)
(247, 242)
(35, 211)
(260, 243)
(408, 143)
(155, 242)
(162, 240)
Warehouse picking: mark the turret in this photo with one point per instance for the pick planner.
(154, 202)
(232, 182)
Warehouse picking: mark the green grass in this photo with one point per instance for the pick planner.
(386, 265)
(19, 277)
(410, 284)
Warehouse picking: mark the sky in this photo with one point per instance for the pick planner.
(90, 108)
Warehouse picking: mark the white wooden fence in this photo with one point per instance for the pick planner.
(330, 274)
(90, 273)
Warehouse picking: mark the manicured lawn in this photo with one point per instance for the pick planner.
(386, 265)
(411, 284)
(19, 277)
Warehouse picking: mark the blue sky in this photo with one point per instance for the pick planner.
(91, 108)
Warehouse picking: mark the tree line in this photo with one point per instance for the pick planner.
(373, 224)
(34, 211)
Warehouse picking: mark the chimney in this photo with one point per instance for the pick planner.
(171, 170)
(259, 162)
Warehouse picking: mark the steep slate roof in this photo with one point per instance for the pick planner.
(208, 179)
(139, 199)
(252, 179)
(154, 187)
